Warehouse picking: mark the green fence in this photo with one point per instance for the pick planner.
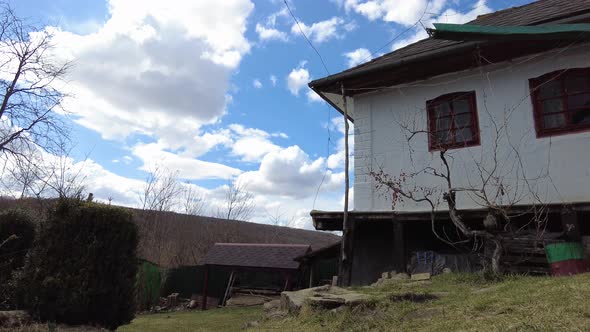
(188, 281)
(148, 284)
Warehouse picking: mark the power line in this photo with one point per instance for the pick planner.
(419, 21)
(305, 36)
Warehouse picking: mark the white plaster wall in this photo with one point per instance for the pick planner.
(502, 92)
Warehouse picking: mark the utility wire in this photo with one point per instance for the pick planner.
(305, 36)
(396, 37)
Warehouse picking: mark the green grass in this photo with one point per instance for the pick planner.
(225, 319)
(462, 303)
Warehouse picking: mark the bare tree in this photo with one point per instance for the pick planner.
(160, 191)
(279, 218)
(499, 181)
(193, 201)
(29, 78)
(238, 203)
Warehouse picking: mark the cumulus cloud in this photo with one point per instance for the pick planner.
(270, 33)
(357, 56)
(298, 78)
(313, 97)
(397, 11)
(323, 31)
(152, 68)
(449, 15)
(290, 172)
(252, 144)
(257, 84)
(189, 168)
(273, 80)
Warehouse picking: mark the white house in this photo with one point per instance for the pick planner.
(505, 97)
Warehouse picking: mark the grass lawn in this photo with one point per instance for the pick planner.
(452, 302)
(458, 302)
(225, 319)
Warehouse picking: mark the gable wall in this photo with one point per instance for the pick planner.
(502, 92)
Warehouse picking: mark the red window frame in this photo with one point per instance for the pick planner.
(561, 76)
(473, 125)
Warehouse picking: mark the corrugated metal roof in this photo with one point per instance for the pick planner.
(542, 11)
(278, 256)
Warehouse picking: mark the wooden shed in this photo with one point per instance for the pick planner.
(265, 266)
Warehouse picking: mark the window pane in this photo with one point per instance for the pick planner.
(463, 135)
(462, 120)
(461, 106)
(554, 121)
(550, 89)
(579, 101)
(442, 137)
(581, 116)
(577, 84)
(552, 105)
(443, 123)
(442, 109)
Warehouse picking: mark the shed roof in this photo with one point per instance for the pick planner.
(255, 255)
(540, 12)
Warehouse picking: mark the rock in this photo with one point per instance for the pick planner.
(325, 302)
(271, 305)
(321, 297)
(420, 276)
(277, 314)
(385, 275)
(339, 309)
(14, 318)
(446, 270)
(400, 276)
(292, 302)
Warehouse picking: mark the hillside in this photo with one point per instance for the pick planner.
(172, 239)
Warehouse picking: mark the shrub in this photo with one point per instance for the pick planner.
(17, 231)
(82, 267)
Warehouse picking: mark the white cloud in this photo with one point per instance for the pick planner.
(251, 144)
(152, 154)
(313, 97)
(290, 172)
(270, 33)
(257, 84)
(448, 16)
(298, 78)
(153, 68)
(397, 11)
(357, 56)
(322, 31)
(273, 80)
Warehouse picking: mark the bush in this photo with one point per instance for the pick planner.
(82, 267)
(17, 231)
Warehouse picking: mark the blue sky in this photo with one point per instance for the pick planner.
(218, 89)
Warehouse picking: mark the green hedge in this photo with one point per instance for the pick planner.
(17, 231)
(82, 267)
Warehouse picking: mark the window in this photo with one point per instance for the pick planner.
(452, 121)
(561, 101)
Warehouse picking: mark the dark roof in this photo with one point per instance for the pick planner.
(277, 256)
(333, 249)
(542, 11)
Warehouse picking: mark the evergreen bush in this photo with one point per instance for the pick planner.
(17, 231)
(82, 267)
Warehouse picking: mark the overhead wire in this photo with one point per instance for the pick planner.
(329, 121)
